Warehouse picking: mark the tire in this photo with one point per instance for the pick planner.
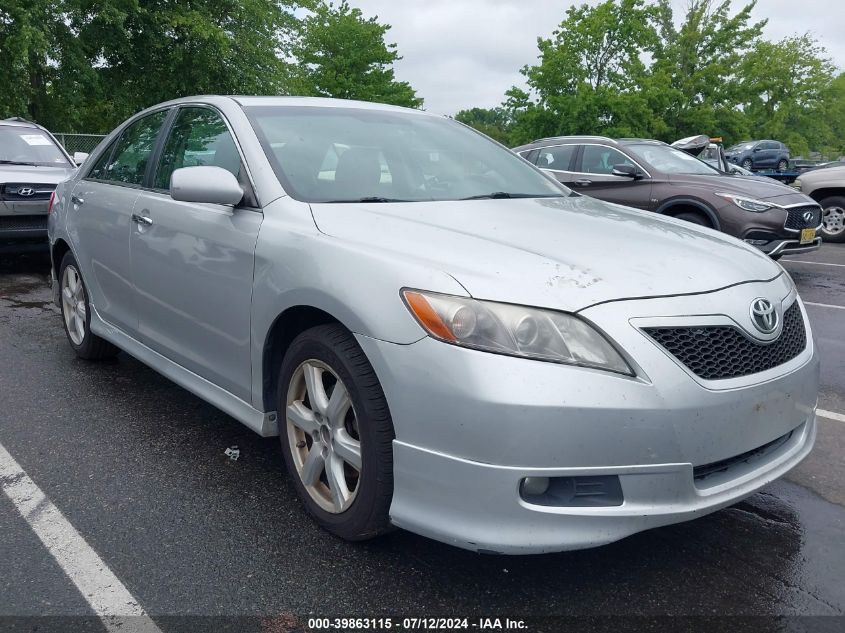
(783, 165)
(748, 164)
(833, 219)
(73, 300)
(332, 357)
(693, 217)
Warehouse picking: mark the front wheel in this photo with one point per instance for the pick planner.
(833, 219)
(336, 433)
(76, 314)
(747, 164)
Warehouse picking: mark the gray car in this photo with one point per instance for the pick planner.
(444, 338)
(31, 163)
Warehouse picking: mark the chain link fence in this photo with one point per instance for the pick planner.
(79, 142)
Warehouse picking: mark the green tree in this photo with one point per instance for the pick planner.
(494, 122)
(787, 84)
(343, 54)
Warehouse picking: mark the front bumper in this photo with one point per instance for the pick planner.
(470, 426)
(790, 247)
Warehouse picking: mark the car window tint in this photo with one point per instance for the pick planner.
(133, 150)
(558, 158)
(598, 159)
(199, 136)
(100, 168)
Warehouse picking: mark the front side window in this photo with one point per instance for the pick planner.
(600, 159)
(199, 136)
(133, 150)
(351, 154)
(557, 158)
(29, 146)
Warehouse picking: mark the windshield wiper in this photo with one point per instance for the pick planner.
(367, 199)
(497, 195)
(18, 162)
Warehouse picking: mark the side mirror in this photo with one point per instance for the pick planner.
(214, 185)
(79, 157)
(627, 171)
(757, 149)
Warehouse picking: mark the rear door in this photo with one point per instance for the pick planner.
(193, 262)
(559, 161)
(100, 214)
(596, 179)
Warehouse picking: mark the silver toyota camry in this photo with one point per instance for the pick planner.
(444, 339)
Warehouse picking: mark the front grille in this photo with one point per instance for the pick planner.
(720, 352)
(23, 222)
(795, 218)
(700, 473)
(12, 191)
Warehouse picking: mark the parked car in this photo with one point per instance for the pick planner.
(653, 176)
(31, 163)
(759, 155)
(827, 187)
(705, 150)
(445, 338)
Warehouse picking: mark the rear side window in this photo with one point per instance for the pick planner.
(558, 158)
(133, 150)
(199, 136)
(600, 159)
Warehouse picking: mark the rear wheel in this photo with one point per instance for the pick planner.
(783, 165)
(337, 434)
(76, 313)
(833, 219)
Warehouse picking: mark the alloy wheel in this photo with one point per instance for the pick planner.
(322, 430)
(833, 219)
(73, 305)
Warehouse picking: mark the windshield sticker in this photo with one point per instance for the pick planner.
(36, 139)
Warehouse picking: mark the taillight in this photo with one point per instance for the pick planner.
(51, 203)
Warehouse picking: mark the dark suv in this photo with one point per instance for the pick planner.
(759, 155)
(653, 176)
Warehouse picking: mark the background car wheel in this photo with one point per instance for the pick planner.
(783, 165)
(747, 164)
(76, 314)
(833, 219)
(336, 433)
(693, 217)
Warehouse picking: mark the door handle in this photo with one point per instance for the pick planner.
(584, 182)
(142, 220)
(77, 200)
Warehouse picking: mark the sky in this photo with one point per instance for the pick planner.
(464, 53)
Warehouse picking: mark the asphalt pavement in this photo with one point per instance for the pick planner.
(136, 468)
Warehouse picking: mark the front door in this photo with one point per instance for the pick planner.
(596, 178)
(103, 203)
(193, 262)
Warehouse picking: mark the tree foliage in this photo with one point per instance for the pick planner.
(632, 68)
(343, 54)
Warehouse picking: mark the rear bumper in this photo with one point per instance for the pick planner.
(478, 506)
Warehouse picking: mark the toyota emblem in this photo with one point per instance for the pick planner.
(26, 191)
(764, 315)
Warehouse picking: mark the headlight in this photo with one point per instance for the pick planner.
(797, 184)
(749, 204)
(514, 330)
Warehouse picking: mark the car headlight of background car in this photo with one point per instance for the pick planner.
(514, 330)
(749, 204)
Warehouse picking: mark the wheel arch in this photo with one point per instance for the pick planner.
(826, 192)
(678, 205)
(57, 252)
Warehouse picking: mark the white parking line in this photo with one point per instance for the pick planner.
(830, 415)
(824, 305)
(799, 261)
(105, 594)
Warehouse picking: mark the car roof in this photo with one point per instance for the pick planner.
(553, 140)
(19, 122)
(292, 101)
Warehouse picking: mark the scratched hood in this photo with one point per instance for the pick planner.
(561, 253)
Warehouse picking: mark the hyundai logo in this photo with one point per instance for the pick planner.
(764, 315)
(26, 191)
(809, 216)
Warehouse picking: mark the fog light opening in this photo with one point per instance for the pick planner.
(534, 486)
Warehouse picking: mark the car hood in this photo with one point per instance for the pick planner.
(756, 187)
(35, 175)
(561, 253)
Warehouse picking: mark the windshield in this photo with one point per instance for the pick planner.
(672, 161)
(740, 147)
(28, 146)
(348, 154)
